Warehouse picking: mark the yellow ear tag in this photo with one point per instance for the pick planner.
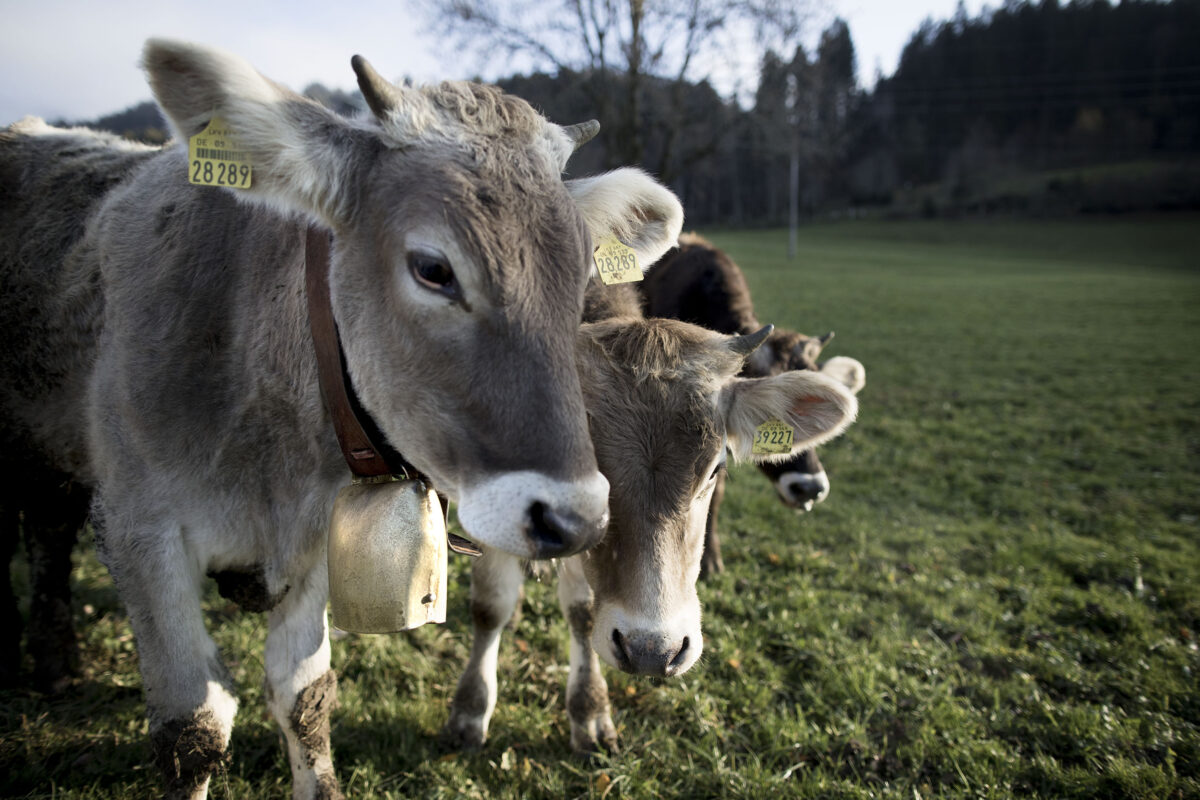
(214, 158)
(772, 438)
(616, 263)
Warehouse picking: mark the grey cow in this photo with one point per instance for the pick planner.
(699, 283)
(665, 406)
(161, 353)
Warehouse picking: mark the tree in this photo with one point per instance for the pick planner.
(624, 50)
(804, 110)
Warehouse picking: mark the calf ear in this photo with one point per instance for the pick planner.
(847, 371)
(630, 205)
(816, 407)
(297, 148)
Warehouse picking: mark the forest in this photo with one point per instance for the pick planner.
(1032, 109)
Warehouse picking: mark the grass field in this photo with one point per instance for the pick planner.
(1000, 598)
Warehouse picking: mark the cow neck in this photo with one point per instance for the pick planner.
(364, 447)
(366, 451)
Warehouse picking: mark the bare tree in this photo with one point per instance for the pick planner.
(620, 46)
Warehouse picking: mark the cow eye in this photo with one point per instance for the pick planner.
(717, 470)
(432, 272)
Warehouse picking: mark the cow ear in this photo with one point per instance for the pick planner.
(847, 371)
(816, 408)
(630, 205)
(296, 147)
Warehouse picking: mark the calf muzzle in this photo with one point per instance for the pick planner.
(645, 653)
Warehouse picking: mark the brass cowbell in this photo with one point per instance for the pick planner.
(387, 556)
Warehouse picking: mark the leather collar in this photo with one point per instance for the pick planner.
(364, 447)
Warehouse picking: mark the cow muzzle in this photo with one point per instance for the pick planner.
(802, 490)
(531, 515)
(646, 643)
(647, 653)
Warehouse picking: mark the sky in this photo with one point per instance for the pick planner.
(78, 60)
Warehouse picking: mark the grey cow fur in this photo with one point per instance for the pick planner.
(161, 355)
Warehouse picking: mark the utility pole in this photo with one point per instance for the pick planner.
(792, 101)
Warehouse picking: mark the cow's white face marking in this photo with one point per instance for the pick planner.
(664, 613)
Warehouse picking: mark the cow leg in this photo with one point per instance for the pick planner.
(189, 693)
(51, 530)
(496, 580)
(587, 694)
(10, 614)
(710, 562)
(301, 688)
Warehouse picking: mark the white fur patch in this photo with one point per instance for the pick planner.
(495, 511)
(223, 706)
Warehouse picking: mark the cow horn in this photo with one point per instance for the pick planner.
(582, 132)
(380, 95)
(825, 339)
(746, 344)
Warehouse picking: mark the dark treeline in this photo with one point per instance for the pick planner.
(1034, 107)
(1031, 107)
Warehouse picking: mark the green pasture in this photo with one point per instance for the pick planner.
(1000, 598)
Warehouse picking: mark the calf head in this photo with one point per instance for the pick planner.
(665, 406)
(801, 481)
(458, 267)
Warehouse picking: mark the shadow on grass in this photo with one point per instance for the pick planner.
(68, 739)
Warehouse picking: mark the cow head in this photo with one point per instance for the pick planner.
(457, 273)
(801, 481)
(665, 406)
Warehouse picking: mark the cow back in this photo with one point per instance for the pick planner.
(695, 282)
(52, 182)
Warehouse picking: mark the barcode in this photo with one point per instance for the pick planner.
(221, 155)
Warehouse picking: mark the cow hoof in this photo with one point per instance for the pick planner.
(711, 566)
(599, 736)
(465, 734)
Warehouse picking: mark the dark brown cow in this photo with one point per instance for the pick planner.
(698, 283)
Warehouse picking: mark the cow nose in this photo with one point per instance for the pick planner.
(643, 653)
(805, 492)
(802, 490)
(556, 533)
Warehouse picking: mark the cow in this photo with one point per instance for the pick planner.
(162, 356)
(698, 283)
(665, 405)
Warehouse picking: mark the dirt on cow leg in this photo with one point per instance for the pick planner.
(309, 721)
(188, 752)
(310, 716)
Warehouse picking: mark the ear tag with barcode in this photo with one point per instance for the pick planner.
(215, 159)
(616, 262)
(772, 438)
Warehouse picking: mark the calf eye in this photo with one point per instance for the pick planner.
(433, 272)
(717, 470)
